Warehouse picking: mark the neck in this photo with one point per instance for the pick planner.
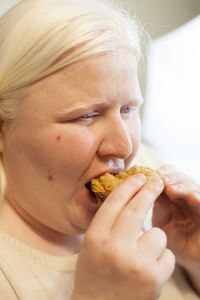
(47, 241)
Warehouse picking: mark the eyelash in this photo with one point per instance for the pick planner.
(90, 115)
(131, 109)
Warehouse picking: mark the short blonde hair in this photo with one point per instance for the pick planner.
(39, 37)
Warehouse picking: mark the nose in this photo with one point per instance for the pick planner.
(116, 139)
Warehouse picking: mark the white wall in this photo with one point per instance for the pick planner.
(158, 16)
(162, 16)
(171, 118)
(6, 4)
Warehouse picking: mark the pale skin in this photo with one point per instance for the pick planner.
(58, 151)
(179, 208)
(118, 262)
(75, 124)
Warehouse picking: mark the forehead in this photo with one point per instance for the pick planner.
(105, 76)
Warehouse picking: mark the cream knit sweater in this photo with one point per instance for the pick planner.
(28, 274)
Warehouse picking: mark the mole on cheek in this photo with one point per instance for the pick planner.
(50, 177)
(58, 138)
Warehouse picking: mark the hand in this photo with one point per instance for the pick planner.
(177, 212)
(115, 261)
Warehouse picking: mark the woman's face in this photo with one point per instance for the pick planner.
(75, 125)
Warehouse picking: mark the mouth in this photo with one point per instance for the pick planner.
(89, 186)
(113, 172)
(92, 196)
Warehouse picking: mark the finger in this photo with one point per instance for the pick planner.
(115, 202)
(194, 199)
(174, 191)
(152, 243)
(161, 211)
(166, 264)
(176, 178)
(166, 169)
(131, 219)
(171, 176)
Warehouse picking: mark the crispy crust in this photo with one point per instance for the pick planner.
(105, 184)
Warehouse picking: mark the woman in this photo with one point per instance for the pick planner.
(69, 112)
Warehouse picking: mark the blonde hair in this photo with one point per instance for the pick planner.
(39, 37)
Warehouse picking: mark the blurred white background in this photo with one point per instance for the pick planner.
(171, 117)
(171, 81)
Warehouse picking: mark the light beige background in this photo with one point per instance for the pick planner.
(158, 16)
(162, 16)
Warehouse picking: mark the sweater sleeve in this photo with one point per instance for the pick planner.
(6, 290)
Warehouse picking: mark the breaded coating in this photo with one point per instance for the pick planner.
(105, 184)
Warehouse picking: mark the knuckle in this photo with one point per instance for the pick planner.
(167, 168)
(113, 253)
(146, 272)
(90, 241)
(139, 264)
(156, 281)
(170, 257)
(139, 179)
(135, 212)
(159, 233)
(157, 237)
(154, 277)
(155, 185)
(167, 265)
(136, 267)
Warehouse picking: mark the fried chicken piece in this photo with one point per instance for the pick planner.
(105, 184)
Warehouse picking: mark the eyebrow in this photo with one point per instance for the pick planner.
(95, 105)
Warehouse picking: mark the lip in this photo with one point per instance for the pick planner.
(111, 171)
(90, 196)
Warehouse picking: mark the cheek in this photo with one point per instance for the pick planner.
(136, 134)
(80, 145)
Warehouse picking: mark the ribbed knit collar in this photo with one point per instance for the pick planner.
(59, 263)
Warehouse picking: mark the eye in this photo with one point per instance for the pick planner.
(88, 116)
(127, 110)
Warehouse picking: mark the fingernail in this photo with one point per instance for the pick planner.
(140, 177)
(176, 188)
(158, 183)
(162, 172)
(166, 179)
